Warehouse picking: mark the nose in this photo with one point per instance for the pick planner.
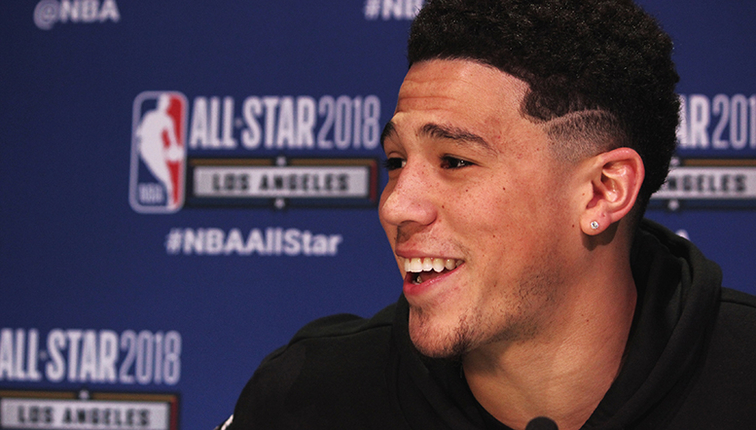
(407, 199)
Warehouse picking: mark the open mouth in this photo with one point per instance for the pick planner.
(420, 270)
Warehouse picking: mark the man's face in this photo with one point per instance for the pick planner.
(476, 208)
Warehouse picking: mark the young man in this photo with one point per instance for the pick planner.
(526, 142)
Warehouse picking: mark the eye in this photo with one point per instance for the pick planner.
(394, 163)
(449, 162)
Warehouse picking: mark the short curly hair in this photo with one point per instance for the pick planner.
(603, 65)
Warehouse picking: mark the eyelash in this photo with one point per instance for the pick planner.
(459, 163)
(393, 163)
(447, 162)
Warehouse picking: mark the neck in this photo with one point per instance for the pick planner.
(565, 370)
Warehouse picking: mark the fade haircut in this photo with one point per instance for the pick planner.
(600, 71)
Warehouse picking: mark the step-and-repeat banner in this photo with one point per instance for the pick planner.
(184, 184)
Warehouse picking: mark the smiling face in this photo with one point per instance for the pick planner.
(477, 209)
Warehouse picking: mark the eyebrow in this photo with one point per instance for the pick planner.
(388, 130)
(446, 132)
(454, 133)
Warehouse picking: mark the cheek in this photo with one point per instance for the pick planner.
(501, 223)
(488, 208)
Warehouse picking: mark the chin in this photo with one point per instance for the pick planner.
(438, 341)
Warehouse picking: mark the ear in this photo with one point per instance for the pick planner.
(616, 177)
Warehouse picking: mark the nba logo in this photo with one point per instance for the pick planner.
(158, 152)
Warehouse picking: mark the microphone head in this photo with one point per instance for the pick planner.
(541, 423)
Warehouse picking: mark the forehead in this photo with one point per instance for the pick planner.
(461, 94)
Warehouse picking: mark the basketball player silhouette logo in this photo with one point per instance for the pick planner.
(158, 152)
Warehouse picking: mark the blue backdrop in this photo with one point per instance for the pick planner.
(184, 184)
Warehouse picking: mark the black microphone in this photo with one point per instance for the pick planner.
(541, 423)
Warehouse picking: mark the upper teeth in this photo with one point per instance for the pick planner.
(417, 265)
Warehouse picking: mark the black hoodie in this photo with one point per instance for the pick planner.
(689, 362)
